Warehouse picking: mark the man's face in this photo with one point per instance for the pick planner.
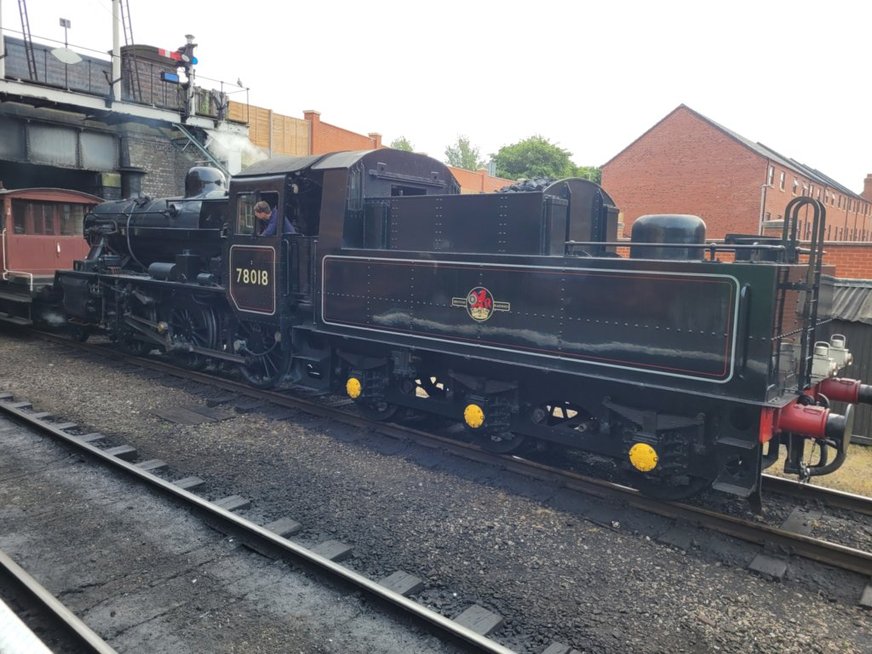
(262, 215)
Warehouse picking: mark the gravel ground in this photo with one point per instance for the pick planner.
(147, 576)
(475, 534)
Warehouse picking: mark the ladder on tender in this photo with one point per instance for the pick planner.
(810, 286)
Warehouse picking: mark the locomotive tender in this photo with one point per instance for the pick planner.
(512, 313)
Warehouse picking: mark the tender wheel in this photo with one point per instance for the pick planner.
(377, 410)
(194, 326)
(672, 488)
(267, 360)
(433, 386)
(506, 442)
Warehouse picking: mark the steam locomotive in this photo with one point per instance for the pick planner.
(519, 315)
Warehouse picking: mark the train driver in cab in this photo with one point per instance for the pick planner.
(267, 220)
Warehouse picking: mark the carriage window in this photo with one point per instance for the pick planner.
(72, 217)
(48, 218)
(18, 216)
(43, 218)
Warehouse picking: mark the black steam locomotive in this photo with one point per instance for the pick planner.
(513, 313)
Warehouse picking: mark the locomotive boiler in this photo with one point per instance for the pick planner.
(519, 315)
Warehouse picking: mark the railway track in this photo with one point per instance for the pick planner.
(465, 630)
(785, 537)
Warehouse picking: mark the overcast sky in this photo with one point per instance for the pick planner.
(590, 77)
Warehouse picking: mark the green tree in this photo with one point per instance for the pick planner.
(464, 155)
(592, 173)
(533, 157)
(402, 143)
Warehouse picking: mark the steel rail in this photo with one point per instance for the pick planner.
(262, 535)
(70, 623)
(829, 496)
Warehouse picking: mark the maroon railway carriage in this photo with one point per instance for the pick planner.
(40, 232)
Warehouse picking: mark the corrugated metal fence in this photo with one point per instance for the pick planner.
(852, 316)
(859, 340)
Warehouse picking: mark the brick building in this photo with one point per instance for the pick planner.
(276, 134)
(687, 163)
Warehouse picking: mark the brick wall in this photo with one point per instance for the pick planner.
(478, 181)
(151, 149)
(329, 138)
(673, 168)
(852, 260)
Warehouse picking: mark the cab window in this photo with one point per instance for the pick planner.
(246, 222)
(245, 214)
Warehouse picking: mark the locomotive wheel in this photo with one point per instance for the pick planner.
(195, 325)
(128, 340)
(267, 360)
(131, 345)
(506, 442)
(79, 333)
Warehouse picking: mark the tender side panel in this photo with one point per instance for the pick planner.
(575, 314)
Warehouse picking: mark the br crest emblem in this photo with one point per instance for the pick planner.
(480, 304)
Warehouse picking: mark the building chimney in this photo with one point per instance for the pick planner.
(376, 139)
(314, 119)
(867, 187)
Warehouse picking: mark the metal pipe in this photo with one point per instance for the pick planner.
(851, 391)
(806, 420)
(116, 51)
(2, 46)
(763, 187)
(3, 253)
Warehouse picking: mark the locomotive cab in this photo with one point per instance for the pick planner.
(270, 280)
